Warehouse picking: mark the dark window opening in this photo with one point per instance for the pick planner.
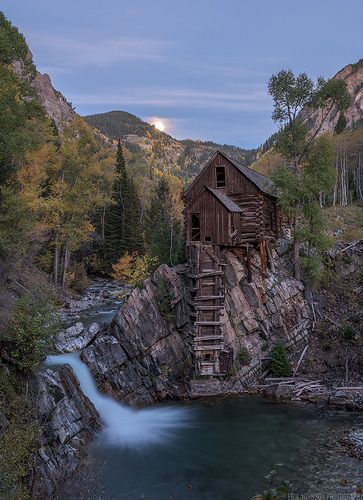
(195, 227)
(207, 358)
(220, 176)
(271, 221)
(208, 238)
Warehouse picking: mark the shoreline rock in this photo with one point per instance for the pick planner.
(70, 420)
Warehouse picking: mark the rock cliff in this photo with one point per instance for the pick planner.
(146, 357)
(69, 419)
(145, 354)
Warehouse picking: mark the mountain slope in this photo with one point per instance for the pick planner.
(352, 74)
(183, 158)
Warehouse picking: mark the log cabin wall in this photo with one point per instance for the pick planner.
(216, 222)
(236, 183)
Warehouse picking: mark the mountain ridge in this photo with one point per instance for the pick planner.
(184, 157)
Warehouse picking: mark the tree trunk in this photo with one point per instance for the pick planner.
(56, 259)
(65, 264)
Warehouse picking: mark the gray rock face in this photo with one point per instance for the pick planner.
(76, 337)
(53, 101)
(144, 357)
(70, 420)
(258, 314)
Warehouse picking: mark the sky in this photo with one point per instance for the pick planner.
(200, 66)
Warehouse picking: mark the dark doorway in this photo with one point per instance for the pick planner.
(220, 176)
(195, 227)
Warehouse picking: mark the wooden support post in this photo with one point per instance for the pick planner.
(249, 270)
(263, 255)
(269, 254)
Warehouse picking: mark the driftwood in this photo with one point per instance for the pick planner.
(300, 359)
(348, 388)
(349, 246)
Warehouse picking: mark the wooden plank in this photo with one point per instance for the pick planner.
(209, 308)
(208, 323)
(218, 347)
(209, 297)
(208, 337)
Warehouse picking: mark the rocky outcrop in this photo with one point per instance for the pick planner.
(76, 337)
(55, 104)
(258, 314)
(352, 74)
(145, 355)
(69, 419)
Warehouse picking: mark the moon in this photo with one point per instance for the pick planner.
(159, 125)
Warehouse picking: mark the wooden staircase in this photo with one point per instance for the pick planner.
(206, 270)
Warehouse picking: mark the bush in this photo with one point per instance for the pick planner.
(32, 325)
(20, 434)
(280, 364)
(133, 269)
(164, 299)
(349, 332)
(244, 358)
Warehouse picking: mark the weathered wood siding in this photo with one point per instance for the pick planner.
(215, 220)
(235, 181)
(258, 221)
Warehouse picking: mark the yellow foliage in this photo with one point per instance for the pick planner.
(133, 269)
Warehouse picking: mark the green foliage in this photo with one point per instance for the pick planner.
(32, 325)
(122, 228)
(164, 231)
(18, 446)
(349, 332)
(13, 45)
(243, 357)
(341, 123)
(280, 364)
(276, 489)
(332, 94)
(20, 436)
(14, 222)
(164, 299)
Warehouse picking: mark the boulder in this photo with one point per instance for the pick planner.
(76, 337)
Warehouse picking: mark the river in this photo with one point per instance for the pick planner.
(218, 449)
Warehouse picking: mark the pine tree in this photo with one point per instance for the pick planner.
(163, 231)
(122, 229)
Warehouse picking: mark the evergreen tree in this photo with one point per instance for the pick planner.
(122, 228)
(163, 231)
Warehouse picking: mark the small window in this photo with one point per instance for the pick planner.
(208, 238)
(220, 176)
(195, 220)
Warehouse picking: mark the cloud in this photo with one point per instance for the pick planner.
(251, 98)
(76, 53)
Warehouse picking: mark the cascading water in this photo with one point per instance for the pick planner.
(124, 426)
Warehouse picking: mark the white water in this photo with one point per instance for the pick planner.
(125, 426)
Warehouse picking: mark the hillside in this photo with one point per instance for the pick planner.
(348, 136)
(352, 74)
(183, 158)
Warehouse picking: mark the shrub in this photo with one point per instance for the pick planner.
(280, 364)
(244, 358)
(133, 269)
(32, 324)
(349, 332)
(164, 299)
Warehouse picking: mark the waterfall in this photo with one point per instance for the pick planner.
(125, 426)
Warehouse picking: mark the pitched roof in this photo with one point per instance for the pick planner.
(265, 184)
(225, 200)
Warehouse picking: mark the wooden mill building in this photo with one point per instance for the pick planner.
(227, 205)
